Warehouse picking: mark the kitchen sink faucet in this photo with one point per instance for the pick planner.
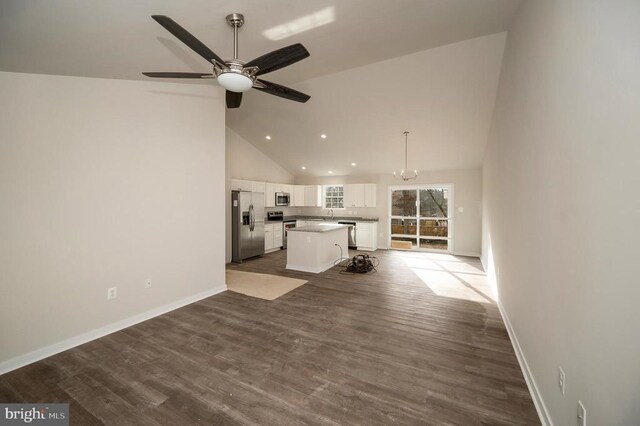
(330, 212)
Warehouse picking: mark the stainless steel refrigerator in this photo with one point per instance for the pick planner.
(247, 224)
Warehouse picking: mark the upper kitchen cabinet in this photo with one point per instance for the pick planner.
(258, 187)
(270, 194)
(349, 195)
(370, 194)
(241, 185)
(288, 189)
(313, 195)
(297, 196)
(360, 195)
(247, 185)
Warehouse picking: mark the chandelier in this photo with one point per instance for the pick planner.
(403, 176)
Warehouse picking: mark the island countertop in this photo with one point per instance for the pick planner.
(321, 227)
(329, 218)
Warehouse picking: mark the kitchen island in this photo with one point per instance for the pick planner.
(313, 248)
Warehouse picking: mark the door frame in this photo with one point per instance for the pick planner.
(450, 212)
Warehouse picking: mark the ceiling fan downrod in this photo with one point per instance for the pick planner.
(235, 20)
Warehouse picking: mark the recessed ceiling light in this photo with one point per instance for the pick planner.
(323, 136)
(353, 164)
(268, 137)
(330, 172)
(303, 168)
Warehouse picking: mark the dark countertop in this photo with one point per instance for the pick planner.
(335, 218)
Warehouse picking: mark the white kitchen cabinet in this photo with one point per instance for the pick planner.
(241, 185)
(367, 235)
(349, 196)
(370, 194)
(297, 197)
(272, 236)
(270, 195)
(277, 235)
(247, 185)
(359, 195)
(258, 187)
(268, 237)
(353, 195)
(288, 189)
(313, 195)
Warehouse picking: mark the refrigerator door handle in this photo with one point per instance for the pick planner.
(252, 219)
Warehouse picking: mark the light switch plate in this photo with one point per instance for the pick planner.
(460, 209)
(112, 293)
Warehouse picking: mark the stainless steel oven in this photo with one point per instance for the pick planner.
(282, 198)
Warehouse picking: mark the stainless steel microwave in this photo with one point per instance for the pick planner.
(282, 199)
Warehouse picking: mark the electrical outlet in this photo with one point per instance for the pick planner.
(582, 414)
(112, 293)
(147, 283)
(561, 379)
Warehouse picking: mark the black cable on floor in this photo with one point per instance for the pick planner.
(361, 264)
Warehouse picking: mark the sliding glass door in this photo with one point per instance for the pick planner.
(420, 217)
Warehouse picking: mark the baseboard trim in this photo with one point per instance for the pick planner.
(47, 351)
(545, 419)
(310, 269)
(466, 253)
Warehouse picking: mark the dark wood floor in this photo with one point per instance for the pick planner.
(392, 347)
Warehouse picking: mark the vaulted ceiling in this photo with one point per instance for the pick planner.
(439, 86)
(443, 96)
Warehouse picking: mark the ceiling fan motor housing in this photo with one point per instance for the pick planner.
(235, 20)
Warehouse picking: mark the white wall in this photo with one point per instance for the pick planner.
(245, 161)
(467, 194)
(104, 183)
(561, 205)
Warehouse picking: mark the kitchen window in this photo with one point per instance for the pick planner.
(333, 197)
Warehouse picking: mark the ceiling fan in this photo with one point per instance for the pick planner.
(233, 74)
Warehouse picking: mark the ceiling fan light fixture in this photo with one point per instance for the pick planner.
(235, 82)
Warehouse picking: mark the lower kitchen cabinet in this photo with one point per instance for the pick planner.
(367, 235)
(272, 236)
